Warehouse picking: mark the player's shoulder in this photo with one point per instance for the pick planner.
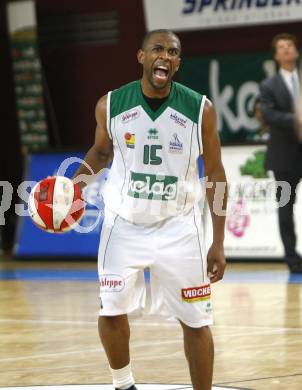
(186, 91)
(187, 101)
(101, 108)
(124, 98)
(125, 89)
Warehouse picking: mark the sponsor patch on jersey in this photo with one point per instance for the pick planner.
(130, 116)
(111, 283)
(195, 294)
(130, 140)
(155, 187)
(181, 121)
(175, 145)
(152, 134)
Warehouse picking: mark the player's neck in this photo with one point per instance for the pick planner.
(151, 92)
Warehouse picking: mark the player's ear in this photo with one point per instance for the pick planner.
(178, 64)
(140, 56)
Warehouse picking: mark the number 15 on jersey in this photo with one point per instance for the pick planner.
(150, 154)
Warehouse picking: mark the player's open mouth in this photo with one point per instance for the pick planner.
(160, 73)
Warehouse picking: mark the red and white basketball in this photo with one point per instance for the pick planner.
(55, 204)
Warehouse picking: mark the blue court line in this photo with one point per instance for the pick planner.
(274, 277)
(53, 274)
(48, 274)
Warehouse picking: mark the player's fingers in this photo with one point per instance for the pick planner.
(218, 272)
(210, 262)
(214, 278)
(211, 270)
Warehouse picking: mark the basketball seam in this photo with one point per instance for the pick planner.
(32, 207)
(70, 208)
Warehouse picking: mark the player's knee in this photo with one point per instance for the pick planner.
(113, 323)
(203, 331)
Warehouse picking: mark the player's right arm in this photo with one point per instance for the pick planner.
(101, 152)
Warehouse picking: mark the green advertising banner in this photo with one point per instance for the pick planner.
(232, 83)
(27, 75)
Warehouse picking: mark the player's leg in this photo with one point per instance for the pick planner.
(199, 351)
(181, 288)
(122, 290)
(115, 335)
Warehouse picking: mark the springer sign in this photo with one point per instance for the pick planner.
(181, 15)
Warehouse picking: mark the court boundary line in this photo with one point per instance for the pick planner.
(134, 323)
(186, 386)
(258, 379)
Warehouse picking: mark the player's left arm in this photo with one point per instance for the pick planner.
(216, 190)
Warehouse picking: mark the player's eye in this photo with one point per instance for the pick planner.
(173, 52)
(157, 49)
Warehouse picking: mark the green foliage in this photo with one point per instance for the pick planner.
(255, 166)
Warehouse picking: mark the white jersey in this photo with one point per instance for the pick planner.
(154, 173)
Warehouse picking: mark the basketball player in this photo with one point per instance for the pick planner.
(155, 129)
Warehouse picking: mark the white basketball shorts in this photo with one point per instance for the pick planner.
(174, 251)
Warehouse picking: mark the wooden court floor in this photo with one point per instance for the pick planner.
(48, 333)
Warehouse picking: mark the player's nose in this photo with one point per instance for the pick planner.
(164, 54)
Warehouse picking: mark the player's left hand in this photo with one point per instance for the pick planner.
(216, 262)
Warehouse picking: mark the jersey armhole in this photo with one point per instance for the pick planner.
(199, 127)
(108, 115)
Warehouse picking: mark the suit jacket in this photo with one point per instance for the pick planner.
(277, 107)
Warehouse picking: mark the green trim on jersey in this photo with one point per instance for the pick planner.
(124, 98)
(182, 99)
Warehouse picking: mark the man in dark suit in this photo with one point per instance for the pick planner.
(279, 98)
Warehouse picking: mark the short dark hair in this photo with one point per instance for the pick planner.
(159, 31)
(286, 36)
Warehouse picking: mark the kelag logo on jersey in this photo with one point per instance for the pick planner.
(148, 186)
